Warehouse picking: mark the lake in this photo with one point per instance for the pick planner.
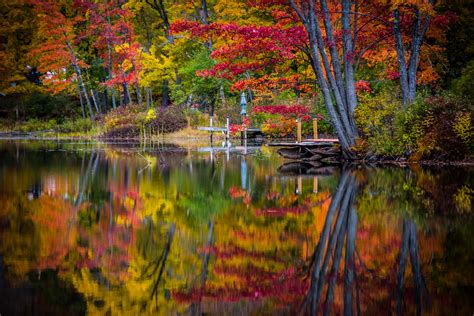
(95, 228)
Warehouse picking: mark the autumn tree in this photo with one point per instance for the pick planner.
(419, 26)
(55, 50)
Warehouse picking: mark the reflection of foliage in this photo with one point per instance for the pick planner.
(110, 246)
(463, 199)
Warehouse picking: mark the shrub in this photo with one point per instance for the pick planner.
(122, 116)
(80, 126)
(36, 125)
(123, 131)
(168, 120)
(431, 128)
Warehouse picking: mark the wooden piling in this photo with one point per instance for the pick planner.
(315, 128)
(298, 130)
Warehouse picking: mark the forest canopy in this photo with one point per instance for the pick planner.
(372, 68)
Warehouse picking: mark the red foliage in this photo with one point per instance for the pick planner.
(363, 86)
(296, 110)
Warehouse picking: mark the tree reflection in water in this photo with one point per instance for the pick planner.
(182, 232)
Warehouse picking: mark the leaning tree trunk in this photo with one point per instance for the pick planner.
(77, 69)
(82, 102)
(337, 88)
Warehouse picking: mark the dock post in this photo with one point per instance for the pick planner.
(298, 130)
(227, 130)
(315, 128)
(211, 118)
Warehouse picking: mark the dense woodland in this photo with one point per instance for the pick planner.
(388, 78)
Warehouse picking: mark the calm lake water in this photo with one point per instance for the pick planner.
(114, 229)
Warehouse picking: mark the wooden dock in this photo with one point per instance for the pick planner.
(320, 142)
(321, 151)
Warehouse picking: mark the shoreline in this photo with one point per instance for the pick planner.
(195, 139)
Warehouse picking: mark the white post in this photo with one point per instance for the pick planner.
(211, 118)
(227, 127)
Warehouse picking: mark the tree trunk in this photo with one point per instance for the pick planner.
(105, 95)
(126, 94)
(148, 97)
(165, 94)
(222, 94)
(95, 101)
(139, 96)
(408, 73)
(338, 91)
(77, 69)
(109, 62)
(80, 99)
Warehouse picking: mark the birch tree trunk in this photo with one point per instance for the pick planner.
(80, 99)
(337, 87)
(408, 72)
(77, 69)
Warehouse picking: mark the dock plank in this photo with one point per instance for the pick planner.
(306, 143)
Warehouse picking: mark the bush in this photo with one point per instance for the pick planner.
(123, 131)
(36, 125)
(168, 120)
(431, 128)
(40, 105)
(78, 126)
(122, 116)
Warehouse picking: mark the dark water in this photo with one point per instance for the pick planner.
(110, 229)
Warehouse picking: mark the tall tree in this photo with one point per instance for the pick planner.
(55, 50)
(418, 25)
(337, 87)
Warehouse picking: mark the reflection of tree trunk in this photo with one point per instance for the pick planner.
(206, 256)
(330, 245)
(402, 265)
(410, 244)
(162, 260)
(335, 268)
(333, 238)
(84, 179)
(196, 307)
(349, 264)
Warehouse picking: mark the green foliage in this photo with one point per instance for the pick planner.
(194, 88)
(463, 85)
(463, 199)
(430, 128)
(77, 126)
(464, 129)
(39, 105)
(375, 116)
(35, 125)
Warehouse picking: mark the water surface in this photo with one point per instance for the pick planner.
(114, 228)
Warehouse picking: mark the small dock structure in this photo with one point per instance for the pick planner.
(316, 150)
